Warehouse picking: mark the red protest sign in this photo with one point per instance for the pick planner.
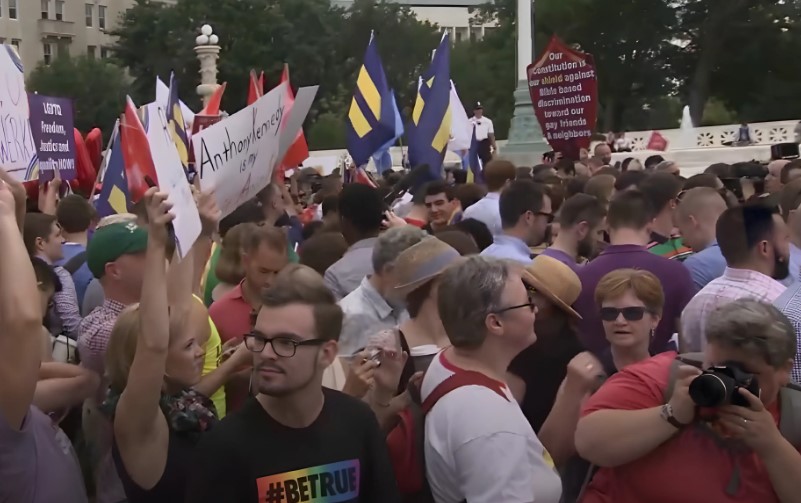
(564, 93)
(200, 123)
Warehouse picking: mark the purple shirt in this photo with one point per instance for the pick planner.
(561, 257)
(38, 463)
(676, 283)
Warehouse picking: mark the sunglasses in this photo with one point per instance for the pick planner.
(634, 313)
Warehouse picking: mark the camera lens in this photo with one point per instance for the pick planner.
(711, 389)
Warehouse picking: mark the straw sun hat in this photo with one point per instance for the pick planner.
(555, 280)
(421, 263)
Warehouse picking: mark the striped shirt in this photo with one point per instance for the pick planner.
(65, 301)
(789, 303)
(733, 285)
(672, 247)
(93, 342)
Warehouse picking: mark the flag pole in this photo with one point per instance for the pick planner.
(104, 164)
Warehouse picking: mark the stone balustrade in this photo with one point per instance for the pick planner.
(762, 133)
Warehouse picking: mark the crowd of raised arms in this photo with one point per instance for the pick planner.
(571, 332)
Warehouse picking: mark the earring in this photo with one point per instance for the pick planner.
(652, 333)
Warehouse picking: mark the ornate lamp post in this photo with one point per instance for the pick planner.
(526, 145)
(207, 52)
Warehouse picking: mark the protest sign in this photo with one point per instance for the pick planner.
(17, 147)
(172, 180)
(236, 157)
(52, 129)
(564, 92)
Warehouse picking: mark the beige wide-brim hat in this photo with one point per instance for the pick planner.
(554, 280)
(421, 263)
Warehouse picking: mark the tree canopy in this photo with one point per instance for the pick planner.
(97, 88)
(727, 59)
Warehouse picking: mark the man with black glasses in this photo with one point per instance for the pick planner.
(295, 440)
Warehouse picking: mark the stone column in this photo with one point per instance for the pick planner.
(526, 144)
(208, 52)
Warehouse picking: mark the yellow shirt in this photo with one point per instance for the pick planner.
(213, 352)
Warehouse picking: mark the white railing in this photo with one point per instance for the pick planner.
(762, 133)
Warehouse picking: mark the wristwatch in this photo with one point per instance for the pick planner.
(667, 415)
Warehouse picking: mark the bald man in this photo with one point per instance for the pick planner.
(696, 217)
(773, 180)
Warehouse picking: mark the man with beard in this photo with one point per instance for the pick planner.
(754, 240)
(295, 440)
(581, 227)
(525, 211)
(264, 254)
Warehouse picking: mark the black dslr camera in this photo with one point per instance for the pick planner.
(718, 386)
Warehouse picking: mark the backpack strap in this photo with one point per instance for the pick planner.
(790, 419)
(457, 380)
(75, 262)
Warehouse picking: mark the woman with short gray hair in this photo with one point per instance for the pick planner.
(478, 444)
(732, 436)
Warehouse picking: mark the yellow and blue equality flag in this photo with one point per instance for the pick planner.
(371, 117)
(114, 196)
(176, 123)
(429, 130)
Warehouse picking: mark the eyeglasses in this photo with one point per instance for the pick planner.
(529, 305)
(549, 217)
(283, 345)
(634, 313)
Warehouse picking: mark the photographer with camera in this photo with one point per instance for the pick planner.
(732, 434)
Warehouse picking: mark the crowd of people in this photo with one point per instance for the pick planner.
(571, 332)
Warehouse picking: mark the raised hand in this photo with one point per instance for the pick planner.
(210, 213)
(158, 214)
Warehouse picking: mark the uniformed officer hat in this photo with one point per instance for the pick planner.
(478, 106)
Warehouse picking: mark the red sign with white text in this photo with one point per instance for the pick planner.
(564, 93)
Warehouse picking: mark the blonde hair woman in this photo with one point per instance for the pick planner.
(157, 400)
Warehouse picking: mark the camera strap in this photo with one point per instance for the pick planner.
(790, 419)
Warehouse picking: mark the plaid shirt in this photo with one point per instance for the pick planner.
(790, 304)
(95, 333)
(733, 285)
(66, 303)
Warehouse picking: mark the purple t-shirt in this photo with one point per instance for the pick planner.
(38, 463)
(561, 257)
(676, 283)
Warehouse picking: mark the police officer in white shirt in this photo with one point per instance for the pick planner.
(485, 134)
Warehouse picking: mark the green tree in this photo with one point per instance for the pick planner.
(97, 89)
(404, 42)
(154, 39)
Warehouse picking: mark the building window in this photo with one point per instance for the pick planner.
(101, 17)
(12, 9)
(48, 52)
(15, 42)
(90, 51)
(104, 53)
(60, 10)
(1, 9)
(90, 14)
(45, 9)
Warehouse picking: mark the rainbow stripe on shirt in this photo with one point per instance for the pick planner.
(331, 483)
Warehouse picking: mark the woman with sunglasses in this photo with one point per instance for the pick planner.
(630, 303)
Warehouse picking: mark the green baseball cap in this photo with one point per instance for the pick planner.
(111, 242)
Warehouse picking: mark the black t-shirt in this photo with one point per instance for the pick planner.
(249, 457)
(543, 367)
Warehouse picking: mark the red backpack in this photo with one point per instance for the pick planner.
(407, 439)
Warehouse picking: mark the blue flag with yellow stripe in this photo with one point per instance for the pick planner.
(371, 117)
(114, 196)
(429, 130)
(175, 122)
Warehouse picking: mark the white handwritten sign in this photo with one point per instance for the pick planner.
(17, 146)
(172, 180)
(236, 156)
